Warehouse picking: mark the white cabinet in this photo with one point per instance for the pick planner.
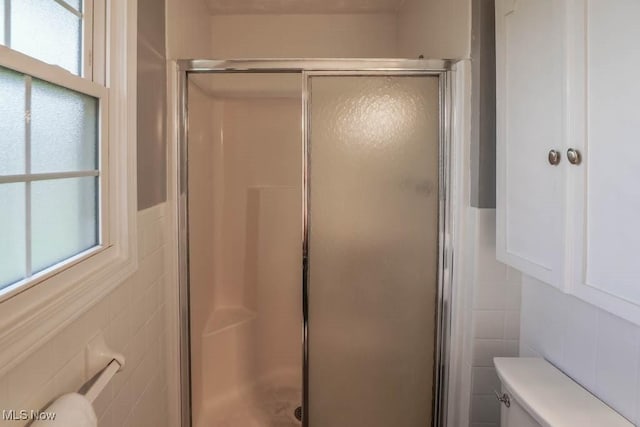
(530, 83)
(604, 225)
(569, 78)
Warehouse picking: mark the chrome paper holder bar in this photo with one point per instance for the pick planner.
(101, 364)
(103, 379)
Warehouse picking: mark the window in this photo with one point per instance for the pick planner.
(53, 150)
(54, 31)
(48, 175)
(67, 153)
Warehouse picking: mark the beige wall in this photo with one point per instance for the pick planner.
(435, 29)
(132, 320)
(300, 36)
(188, 29)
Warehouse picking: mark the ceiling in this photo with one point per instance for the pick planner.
(229, 7)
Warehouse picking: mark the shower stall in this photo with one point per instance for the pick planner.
(313, 272)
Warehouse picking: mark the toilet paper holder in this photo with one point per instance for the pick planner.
(101, 364)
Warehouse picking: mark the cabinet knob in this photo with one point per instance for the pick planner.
(574, 156)
(554, 157)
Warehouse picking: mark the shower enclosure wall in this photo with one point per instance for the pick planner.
(317, 201)
(245, 232)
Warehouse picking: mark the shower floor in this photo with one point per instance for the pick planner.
(270, 403)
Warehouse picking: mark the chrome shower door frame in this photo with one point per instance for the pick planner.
(309, 68)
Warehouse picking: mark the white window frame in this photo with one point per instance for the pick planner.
(52, 74)
(35, 309)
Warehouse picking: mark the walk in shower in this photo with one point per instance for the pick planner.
(313, 202)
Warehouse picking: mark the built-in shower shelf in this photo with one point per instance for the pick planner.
(225, 318)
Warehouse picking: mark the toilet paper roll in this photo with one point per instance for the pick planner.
(70, 410)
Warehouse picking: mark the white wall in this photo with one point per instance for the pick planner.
(132, 320)
(495, 319)
(304, 36)
(435, 29)
(597, 349)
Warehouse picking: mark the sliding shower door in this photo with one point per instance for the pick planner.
(372, 266)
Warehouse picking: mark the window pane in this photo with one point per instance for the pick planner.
(47, 31)
(64, 134)
(63, 220)
(12, 234)
(2, 6)
(11, 123)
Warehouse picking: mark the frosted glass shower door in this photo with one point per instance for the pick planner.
(373, 250)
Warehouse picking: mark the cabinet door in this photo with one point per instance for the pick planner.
(605, 187)
(531, 73)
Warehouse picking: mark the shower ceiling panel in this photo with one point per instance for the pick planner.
(247, 85)
(229, 7)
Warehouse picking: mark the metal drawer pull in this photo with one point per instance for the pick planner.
(504, 398)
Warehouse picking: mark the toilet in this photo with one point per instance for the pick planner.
(535, 393)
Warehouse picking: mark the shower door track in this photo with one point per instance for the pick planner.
(307, 68)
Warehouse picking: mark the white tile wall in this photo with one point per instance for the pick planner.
(598, 350)
(496, 320)
(132, 319)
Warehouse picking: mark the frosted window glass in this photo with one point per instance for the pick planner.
(47, 31)
(64, 134)
(64, 219)
(2, 6)
(373, 250)
(12, 233)
(12, 123)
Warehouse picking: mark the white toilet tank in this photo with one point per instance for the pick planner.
(535, 393)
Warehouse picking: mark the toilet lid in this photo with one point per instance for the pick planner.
(552, 398)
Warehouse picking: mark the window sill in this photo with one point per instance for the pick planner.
(61, 268)
(38, 313)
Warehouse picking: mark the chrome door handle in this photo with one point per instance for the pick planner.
(554, 157)
(574, 156)
(504, 398)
